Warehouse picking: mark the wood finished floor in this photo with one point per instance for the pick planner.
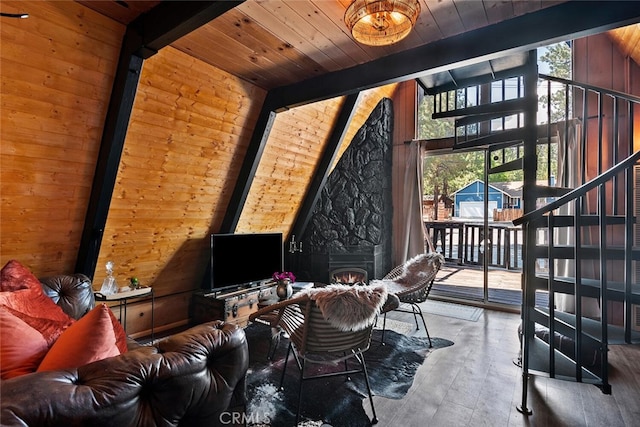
(475, 383)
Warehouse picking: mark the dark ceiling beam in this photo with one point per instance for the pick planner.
(250, 164)
(143, 38)
(169, 21)
(569, 20)
(321, 174)
(104, 178)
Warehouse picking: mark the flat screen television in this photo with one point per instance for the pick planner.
(244, 259)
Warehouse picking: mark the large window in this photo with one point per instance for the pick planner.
(461, 212)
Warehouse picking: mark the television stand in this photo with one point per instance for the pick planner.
(231, 305)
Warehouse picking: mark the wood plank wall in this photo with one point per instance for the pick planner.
(57, 71)
(598, 61)
(611, 69)
(188, 133)
(294, 148)
(189, 130)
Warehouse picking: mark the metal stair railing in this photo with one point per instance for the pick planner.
(604, 120)
(609, 190)
(580, 191)
(545, 217)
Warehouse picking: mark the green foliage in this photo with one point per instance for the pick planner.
(429, 128)
(558, 58)
(445, 174)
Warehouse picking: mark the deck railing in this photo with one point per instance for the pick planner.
(463, 242)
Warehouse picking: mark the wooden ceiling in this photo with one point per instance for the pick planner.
(275, 43)
(628, 40)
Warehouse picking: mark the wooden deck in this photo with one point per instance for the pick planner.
(463, 282)
(463, 275)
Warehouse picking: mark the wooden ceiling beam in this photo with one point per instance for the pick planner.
(250, 163)
(569, 20)
(170, 21)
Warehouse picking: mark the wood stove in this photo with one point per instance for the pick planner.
(370, 258)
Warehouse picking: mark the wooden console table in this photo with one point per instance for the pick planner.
(233, 306)
(123, 297)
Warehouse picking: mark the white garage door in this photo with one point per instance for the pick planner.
(476, 209)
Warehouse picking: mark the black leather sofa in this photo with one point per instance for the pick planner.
(193, 378)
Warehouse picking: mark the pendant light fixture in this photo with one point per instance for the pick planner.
(381, 22)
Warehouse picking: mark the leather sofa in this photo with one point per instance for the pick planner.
(193, 378)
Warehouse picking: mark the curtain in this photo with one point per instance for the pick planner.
(413, 233)
(569, 158)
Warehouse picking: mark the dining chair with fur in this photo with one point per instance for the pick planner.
(330, 325)
(411, 282)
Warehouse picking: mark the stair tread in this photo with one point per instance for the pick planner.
(591, 327)
(493, 109)
(586, 220)
(613, 252)
(548, 191)
(507, 137)
(513, 165)
(565, 368)
(480, 117)
(590, 287)
(514, 136)
(566, 325)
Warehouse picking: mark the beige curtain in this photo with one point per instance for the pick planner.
(413, 233)
(569, 158)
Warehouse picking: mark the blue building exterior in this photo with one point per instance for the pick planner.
(472, 195)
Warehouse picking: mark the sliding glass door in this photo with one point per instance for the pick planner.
(469, 223)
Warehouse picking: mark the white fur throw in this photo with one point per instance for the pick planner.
(419, 267)
(349, 308)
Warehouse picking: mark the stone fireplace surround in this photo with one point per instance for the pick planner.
(353, 216)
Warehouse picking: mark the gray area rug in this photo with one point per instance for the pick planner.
(457, 311)
(330, 402)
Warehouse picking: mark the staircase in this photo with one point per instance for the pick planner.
(581, 240)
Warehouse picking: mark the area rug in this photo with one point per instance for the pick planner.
(457, 311)
(330, 402)
(398, 326)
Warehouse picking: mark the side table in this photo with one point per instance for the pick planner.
(123, 297)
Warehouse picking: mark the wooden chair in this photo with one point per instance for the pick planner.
(315, 340)
(411, 282)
